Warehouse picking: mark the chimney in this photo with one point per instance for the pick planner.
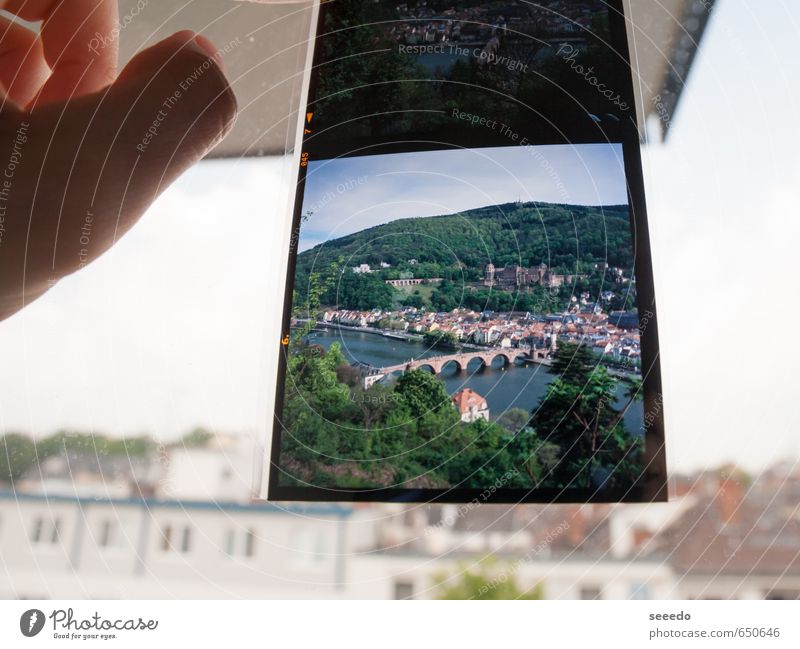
(729, 495)
(577, 527)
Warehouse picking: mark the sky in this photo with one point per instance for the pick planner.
(346, 195)
(175, 326)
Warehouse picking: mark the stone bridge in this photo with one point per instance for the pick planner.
(461, 359)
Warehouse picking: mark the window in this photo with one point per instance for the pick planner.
(249, 543)
(46, 531)
(308, 547)
(104, 538)
(166, 538)
(108, 536)
(240, 542)
(403, 590)
(36, 532)
(591, 592)
(186, 539)
(170, 537)
(230, 542)
(111, 534)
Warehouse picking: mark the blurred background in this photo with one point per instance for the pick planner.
(135, 398)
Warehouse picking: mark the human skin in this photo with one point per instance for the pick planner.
(85, 149)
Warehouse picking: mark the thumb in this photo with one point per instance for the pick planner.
(94, 164)
(171, 105)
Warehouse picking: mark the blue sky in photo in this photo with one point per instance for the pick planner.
(347, 195)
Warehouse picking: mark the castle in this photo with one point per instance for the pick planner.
(515, 276)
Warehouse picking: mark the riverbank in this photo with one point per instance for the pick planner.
(394, 335)
(521, 385)
(626, 375)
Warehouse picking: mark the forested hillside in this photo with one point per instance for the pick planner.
(565, 237)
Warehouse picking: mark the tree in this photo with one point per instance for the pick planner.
(415, 299)
(489, 581)
(362, 291)
(442, 338)
(315, 400)
(577, 414)
(96, 444)
(422, 392)
(514, 419)
(373, 404)
(17, 455)
(573, 363)
(196, 438)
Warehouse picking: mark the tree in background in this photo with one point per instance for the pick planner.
(422, 392)
(514, 419)
(489, 581)
(17, 455)
(196, 438)
(442, 338)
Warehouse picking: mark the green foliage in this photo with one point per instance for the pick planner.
(568, 237)
(351, 88)
(17, 455)
(574, 364)
(441, 339)
(536, 299)
(361, 291)
(94, 444)
(339, 434)
(577, 415)
(311, 287)
(422, 392)
(514, 419)
(196, 438)
(490, 580)
(416, 300)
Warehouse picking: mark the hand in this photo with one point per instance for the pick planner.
(84, 151)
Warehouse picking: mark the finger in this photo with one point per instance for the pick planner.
(161, 54)
(22, 66)
(79, 40)
(106, 157)
(177, 104)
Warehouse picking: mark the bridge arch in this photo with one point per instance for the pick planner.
(477, 361)
(520, 354)
(505, 357)
(463, 360)
(450, 362)
(432, 367)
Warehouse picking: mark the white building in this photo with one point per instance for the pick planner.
(470, 405)
(67, 548)
(209, 539)
(61, 547)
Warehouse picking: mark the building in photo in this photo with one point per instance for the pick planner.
(471, 406)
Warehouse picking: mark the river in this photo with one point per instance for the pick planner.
(517, 386)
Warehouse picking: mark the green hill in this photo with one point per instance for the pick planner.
(565, 237)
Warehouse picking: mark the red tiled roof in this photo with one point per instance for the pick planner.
(466, 399)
